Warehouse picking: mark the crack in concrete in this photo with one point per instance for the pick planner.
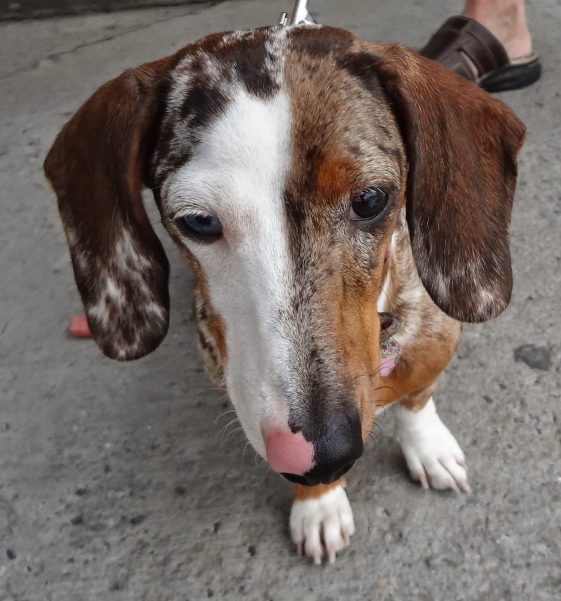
(57, 55)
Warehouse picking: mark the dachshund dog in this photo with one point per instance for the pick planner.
(318, 185)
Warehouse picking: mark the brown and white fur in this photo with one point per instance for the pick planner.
(274, 131)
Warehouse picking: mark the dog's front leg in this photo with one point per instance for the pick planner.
(432, 453)
(321, 520)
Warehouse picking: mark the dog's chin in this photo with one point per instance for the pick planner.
(315, 477)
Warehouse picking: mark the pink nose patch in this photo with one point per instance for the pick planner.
(289, 453)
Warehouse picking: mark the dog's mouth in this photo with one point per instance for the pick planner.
(319, 453)
(318, 475)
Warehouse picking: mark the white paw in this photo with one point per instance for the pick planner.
(432, 454)
(321, 527)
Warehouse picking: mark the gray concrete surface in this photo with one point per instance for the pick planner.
(115, 483)
(29, 9)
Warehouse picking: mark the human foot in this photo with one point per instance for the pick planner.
(506, 19)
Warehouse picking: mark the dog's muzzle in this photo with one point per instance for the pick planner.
(321, 458)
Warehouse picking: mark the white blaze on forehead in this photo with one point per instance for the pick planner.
(238, 172)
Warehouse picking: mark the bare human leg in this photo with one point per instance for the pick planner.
(506, 19)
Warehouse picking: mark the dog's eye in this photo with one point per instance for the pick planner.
(369, 204)
(205, 228)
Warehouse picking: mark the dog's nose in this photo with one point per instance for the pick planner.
(288, 452)
(336, 445)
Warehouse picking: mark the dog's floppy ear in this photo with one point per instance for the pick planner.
(97, 168)
(462, 148)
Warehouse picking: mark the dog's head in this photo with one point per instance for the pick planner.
(279, 160)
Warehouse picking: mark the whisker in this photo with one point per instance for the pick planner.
(231, 433)
(223, 431)
(382, 410)
(368, 374)
(228, 412)
(225, 414)
(386, 388)
(382, 289)
(244, 450)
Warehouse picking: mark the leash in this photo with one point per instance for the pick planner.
(299, 14)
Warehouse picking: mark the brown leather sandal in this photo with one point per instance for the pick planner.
(471, 50)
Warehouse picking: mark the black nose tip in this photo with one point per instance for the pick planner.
(336, 449)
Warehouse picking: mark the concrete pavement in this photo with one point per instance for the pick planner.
(115, 482)
(38, 9)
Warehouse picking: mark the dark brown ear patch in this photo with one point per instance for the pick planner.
(96, 168)
(126, 299)
(462, 146)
